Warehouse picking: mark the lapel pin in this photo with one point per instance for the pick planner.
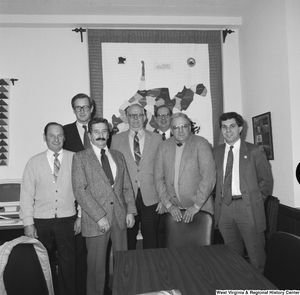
(245, 157)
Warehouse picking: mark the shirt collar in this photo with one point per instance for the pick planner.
(140, 132)
(236, 145)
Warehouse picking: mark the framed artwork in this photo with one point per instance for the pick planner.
(262, 133)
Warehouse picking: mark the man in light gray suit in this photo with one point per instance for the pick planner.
(103, 189)
(139, 146)
(184, 171)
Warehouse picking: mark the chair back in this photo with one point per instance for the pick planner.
(23, 273)
(282, 266)
(198, 232)
(271, 210)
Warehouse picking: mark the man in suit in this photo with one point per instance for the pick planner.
(103, 189)
(241, 190)
(185, 171)
(77, 140)
(47, 206)
(139, 146)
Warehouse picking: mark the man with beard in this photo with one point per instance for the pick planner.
(103, 189)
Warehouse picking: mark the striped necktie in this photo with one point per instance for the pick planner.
(56, 166)
(227, 193)
(136, 148)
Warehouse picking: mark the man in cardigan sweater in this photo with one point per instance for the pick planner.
(47, 205)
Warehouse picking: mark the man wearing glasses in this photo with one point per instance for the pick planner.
(163, 119)
(139, 147)
(185, 172)
(77, 140)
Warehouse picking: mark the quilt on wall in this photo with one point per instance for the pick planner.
(4, 113)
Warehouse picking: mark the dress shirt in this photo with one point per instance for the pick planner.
(235, 169)
(112, 163)
(81, 130)
(141, 136)
(51, 158)
(167, 133)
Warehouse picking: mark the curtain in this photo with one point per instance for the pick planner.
(210, 37)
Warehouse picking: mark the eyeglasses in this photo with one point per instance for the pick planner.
(136, 116)
(84, 108)
(160, 116)
(184, 126)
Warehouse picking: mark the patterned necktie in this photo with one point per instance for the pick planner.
(86, 140)
(106, 167)
(164, 136)
(136, 148)
(56, 166)
(227, 193)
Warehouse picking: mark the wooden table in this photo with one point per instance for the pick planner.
(191, 270)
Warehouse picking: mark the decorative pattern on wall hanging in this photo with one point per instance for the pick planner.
(4, 124)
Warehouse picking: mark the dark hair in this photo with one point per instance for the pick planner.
(96, 121)
(231, 115)
(53, 123)
(163, 106)
(81, 95)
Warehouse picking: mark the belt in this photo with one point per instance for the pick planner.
(238, 197)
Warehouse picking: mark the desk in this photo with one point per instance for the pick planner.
(10, 231)
(191, 270)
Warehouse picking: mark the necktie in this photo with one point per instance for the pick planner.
(227, 193)
(136, 148)
(56, 166)
(86, 140)
(179, 144)
(106, 167)
(164, 136)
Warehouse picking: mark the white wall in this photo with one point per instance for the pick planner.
(52, 66)
(269, 42)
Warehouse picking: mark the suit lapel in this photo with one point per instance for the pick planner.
(126, 150)
(95, 164)
(147, 146)
(185, 154)
(244, 158)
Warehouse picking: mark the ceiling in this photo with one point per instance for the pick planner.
(201, 8)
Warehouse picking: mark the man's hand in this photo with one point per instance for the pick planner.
(130, 220)
(104, 225)
(175, 212)
(77, 226)
(30, 231)
(160, 209)
(189, 214)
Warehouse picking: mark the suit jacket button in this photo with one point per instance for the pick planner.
(111, 203)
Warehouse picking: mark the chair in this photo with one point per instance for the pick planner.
(198, 232)
(26, 268)
(271, 211)
(282, 266)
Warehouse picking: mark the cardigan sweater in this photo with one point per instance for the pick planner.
(41, 196)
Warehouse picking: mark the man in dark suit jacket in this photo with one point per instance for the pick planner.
(76, 140)
(141, 175)
(184, 171)
(106, 199)
(241, 218)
